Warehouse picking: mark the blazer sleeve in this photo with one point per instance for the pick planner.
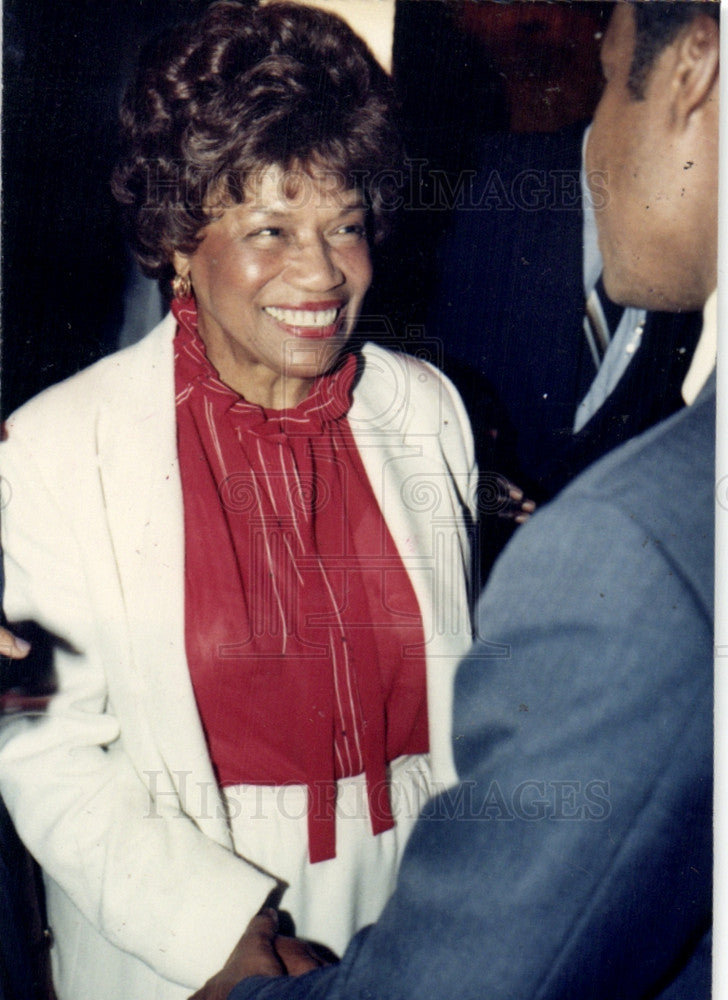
(147, 877)
(574, 856)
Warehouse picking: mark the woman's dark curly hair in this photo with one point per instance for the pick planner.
(244, 88)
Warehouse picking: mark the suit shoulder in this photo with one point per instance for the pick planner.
(660, 487)
(668, 462)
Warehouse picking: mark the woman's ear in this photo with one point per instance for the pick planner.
(696, 68)
(182, 281)
(181, 263)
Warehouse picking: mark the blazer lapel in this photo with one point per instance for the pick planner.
(139, 472)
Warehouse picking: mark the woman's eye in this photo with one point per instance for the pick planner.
(265, 232)
(349, 234)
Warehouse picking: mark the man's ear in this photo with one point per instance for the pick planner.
(696, 67)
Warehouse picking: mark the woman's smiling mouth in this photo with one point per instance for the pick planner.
(316, 320)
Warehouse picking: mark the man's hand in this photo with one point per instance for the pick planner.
(262, 952)
(302, 956)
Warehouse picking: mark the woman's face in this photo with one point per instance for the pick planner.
(279, 282)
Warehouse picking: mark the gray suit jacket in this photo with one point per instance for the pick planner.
(573, 860)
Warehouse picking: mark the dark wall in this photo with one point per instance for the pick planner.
(64, 263)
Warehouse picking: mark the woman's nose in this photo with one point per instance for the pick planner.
(313, 266)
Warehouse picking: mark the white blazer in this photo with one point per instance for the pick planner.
(112, 790)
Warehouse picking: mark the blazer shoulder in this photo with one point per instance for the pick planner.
(120, 379)
(406, 393)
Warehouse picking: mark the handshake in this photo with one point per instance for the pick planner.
(262, 951)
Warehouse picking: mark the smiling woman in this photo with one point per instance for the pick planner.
(279, 281)
(248, 534)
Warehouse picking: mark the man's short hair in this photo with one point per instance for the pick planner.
(657, 26)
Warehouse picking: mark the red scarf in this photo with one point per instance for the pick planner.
(303, 633)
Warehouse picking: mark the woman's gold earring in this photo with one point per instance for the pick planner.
(182, 286)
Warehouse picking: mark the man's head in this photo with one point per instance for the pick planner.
(654, 143)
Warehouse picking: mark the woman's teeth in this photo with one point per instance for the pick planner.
(303, 317)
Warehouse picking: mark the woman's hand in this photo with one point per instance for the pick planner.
(11, 646)
(498, 496)
(16, 701)
(262, 952)
(518, 507)
(503, 498)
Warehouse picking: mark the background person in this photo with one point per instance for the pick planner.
(515, 275)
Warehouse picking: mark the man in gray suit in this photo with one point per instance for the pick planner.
(574, 857)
